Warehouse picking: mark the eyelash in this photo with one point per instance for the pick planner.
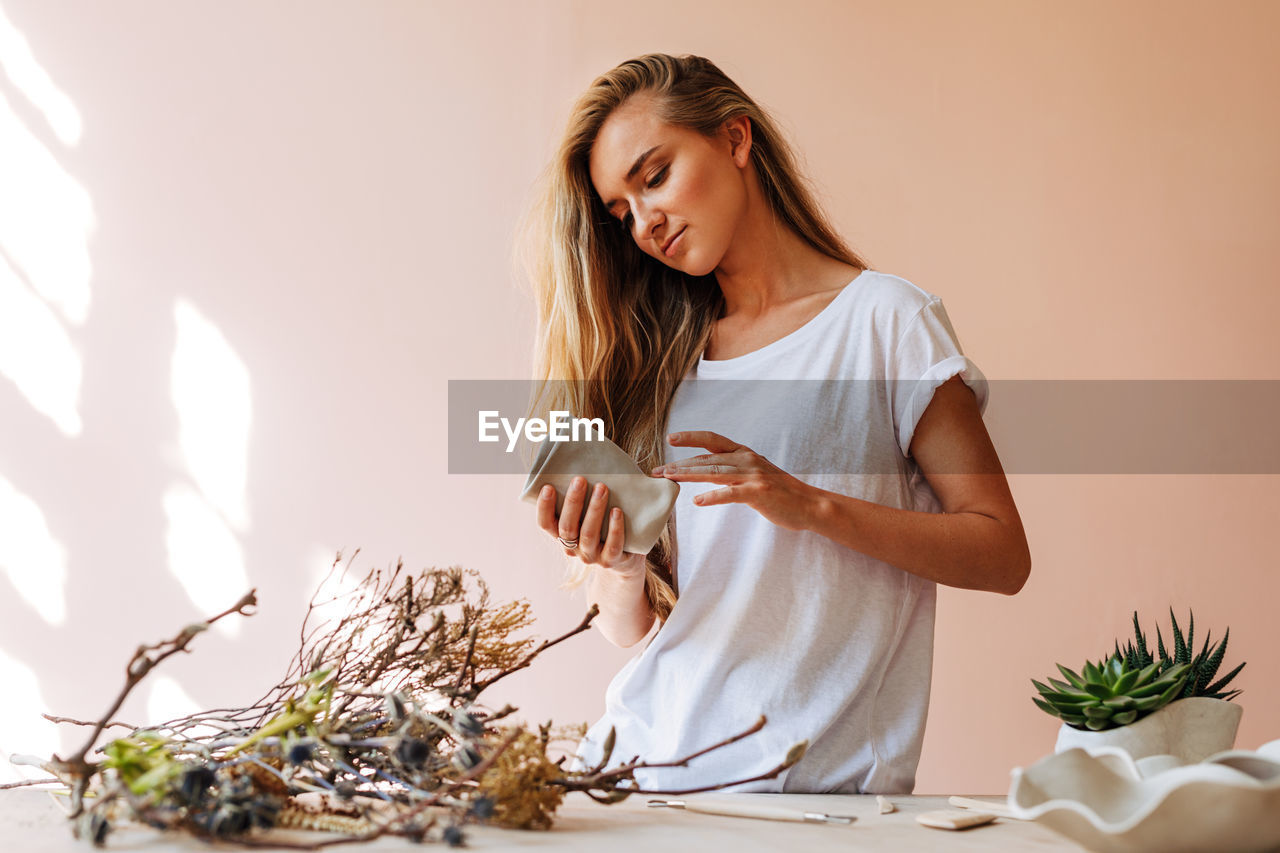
(658, 178)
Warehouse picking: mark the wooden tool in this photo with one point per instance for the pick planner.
(745, 810)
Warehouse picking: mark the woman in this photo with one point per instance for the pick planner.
(678, 248)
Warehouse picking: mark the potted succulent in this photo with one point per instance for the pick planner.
(1170, 705)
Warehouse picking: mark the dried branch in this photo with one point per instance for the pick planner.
(379, 706)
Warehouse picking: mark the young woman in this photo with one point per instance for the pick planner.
(820, 416)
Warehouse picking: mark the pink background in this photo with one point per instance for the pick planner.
(317, 200)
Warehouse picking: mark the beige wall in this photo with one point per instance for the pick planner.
(318, 200)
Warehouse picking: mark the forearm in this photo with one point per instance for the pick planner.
(963, 549)
(625, 616)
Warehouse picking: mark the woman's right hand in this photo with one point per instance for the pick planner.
(591, 550)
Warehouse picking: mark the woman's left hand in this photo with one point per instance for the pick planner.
(747, 477)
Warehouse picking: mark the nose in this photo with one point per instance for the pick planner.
(648, 218)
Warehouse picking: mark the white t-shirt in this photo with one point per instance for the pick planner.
(831, 645)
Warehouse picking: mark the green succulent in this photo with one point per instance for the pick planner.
(1110, 693)
(1204, 666)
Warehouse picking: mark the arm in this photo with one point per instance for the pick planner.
(976, 543)
(625, 616)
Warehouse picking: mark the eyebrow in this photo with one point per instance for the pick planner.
(631, 173)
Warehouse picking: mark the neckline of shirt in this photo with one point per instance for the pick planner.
(721, 366)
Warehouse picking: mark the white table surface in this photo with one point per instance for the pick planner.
(30, 822)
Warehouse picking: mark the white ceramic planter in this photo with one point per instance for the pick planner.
(1189, 729)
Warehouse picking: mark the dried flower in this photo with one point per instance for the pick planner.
(380, 702)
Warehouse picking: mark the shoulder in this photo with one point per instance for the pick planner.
(888, 302)
(893, 292)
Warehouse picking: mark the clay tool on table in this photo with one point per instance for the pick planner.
(997, 809)
(755, 811)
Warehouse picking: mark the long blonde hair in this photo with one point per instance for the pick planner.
(617, 329)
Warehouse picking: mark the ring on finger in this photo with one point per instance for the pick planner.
(571, 544)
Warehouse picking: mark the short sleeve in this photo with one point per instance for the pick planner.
(926, 356)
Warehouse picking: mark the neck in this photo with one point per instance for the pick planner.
(768, 264)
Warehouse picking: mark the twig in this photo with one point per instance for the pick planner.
(139, 665)
(72, 721)
(477, 689)
(25, 783)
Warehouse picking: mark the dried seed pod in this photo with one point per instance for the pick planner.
(412, 753)
(301, 753)
(395, 708)
(466, 757)
(482, 808)
(194, 785)
(467, 723)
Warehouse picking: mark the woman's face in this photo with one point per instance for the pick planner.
(679, 194)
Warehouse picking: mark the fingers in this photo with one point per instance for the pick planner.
(702, 473)
(612, 554)
(547, 510)
(571, 512)
(726, 459)
(567, 526)
(727, 495)
(713, 441)
(589, 533)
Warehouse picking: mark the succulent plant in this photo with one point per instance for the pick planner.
(1203, 667)
(1110, 693)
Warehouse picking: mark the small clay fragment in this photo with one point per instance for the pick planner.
(954, 818)
(885, 806)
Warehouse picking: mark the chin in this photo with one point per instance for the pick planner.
(692, 266)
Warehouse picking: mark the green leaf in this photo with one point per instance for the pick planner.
(1125, 718)
(1102, 691)
(1115, 669)
(1142, 641)
(1076, 681)
(1076, 720)
(1164, 655)
(1224, 681)
(1091, 674)
(1215, 658)
(1179, 644)
(1061, 686)
(1168, 696)
(1120, 703)
(1099, 725)
(1150, 703)
(1148, 674)
(1125, 683)
(1098, 712)
(1045, 706)
(1193, 676)
(1155, 688)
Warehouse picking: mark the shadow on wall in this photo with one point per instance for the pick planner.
(49, 443)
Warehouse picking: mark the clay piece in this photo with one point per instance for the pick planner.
(1106, 800)
(954, 818)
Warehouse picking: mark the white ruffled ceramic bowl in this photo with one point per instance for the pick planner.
(1104, 800)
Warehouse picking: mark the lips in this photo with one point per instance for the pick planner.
(670, 244)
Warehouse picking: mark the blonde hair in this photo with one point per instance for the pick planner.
(617, 329)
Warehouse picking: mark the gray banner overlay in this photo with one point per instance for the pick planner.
(1084, 426)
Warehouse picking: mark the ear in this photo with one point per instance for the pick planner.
(738, 131)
